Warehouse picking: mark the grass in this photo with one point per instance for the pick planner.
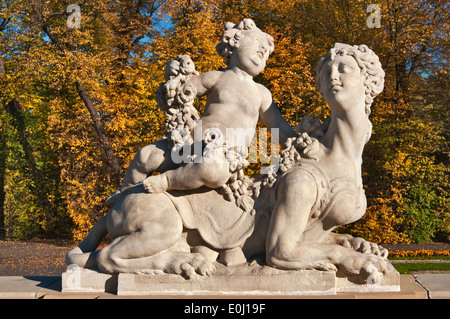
(407, 268)
(420, 258)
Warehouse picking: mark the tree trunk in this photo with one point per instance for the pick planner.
(98, 125)
(3, 157)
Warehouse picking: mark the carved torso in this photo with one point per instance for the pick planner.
(339, 201)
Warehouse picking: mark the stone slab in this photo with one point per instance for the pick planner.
(409, 289)
(437, 285)
(28, 287)
(254, 280)
(386, 282)
(77, 279)
(301, 283)
(239, 280)
(50, 288)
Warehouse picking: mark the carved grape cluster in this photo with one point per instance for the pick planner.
(176, 96)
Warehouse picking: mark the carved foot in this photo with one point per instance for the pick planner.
(188, 265)
(363, 246)
(191, 264)
(360, 263)
(357, 244)
(155, 184)
(206, 251)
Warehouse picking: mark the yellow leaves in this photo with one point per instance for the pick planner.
(418, 253)
(121, 75)
(379, 225)
(83, 226)
(289, 77)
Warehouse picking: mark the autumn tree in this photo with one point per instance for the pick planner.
(31, 193)
(76, 103)
(404, 163)
(105, 67)
(405, 169)
(94, 92)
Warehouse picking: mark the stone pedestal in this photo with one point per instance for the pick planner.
(239, 280)
(389, 282)
(77, 279)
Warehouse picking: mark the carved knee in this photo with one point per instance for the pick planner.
(109, 261)
(215, 175)
(279, 252)
(146, 157)
(105, 261)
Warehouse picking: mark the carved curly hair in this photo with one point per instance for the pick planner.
(233, 33)
(369, 64)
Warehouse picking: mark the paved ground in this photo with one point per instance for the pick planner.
(420, 286)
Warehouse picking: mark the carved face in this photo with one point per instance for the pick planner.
(251, 53)
(341, 82)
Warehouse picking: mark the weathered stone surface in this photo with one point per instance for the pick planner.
(243, 279)
(388, 281)
(77, 279)
(232, 280)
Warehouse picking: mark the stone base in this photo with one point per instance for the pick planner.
(389, 282)
(77, 279)
(239, 280)
(232, 281)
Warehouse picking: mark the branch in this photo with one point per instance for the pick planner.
(2, 67)
(98, 125)
(44, 26)
(4, 24)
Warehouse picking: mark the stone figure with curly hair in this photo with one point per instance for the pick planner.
(234, 101)
(319, 186)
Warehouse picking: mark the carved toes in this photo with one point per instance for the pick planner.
(155, 184)
(197, 265)
(148, 185)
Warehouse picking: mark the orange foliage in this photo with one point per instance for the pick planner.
(119, 55)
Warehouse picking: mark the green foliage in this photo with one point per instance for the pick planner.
(422, 209)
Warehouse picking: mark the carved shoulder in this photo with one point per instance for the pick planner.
(266, 96)
(205, 81)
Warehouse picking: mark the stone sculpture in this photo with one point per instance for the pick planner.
(202, 208)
